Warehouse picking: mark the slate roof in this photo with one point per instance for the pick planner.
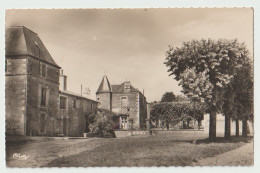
(66, 92)
(120, 88)
(104, 85)
(20, 40)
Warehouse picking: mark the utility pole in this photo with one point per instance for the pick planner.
(81, 89)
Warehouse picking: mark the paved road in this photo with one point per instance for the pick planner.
(243, 156)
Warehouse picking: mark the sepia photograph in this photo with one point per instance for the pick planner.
(139, 87)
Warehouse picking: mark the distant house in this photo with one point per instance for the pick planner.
(125, 100)
(34, 104)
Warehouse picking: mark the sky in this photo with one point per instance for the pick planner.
(128, 44)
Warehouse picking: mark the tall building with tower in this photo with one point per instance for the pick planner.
(125, 100)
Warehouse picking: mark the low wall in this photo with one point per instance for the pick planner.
(125, 133)
(220, 129)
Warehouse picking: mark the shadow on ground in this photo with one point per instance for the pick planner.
(232, 139)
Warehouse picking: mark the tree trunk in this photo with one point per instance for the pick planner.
(212, 127)
(227, 127)
(244, 127)
(167, 125)
(237, 128)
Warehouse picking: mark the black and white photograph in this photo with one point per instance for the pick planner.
(129, 87)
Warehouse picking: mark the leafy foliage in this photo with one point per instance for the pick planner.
(205, 67)
(168, 97)
(177, 111)
(181, 98)
(243, 89)
(102, 126)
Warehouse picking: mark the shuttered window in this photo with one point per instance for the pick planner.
(63, 102)
(74, 102)
(43, 96)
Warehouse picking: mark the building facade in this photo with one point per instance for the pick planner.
(32, 97)
(73, 111)
(125, 100)
(32, 84)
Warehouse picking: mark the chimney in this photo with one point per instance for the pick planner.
(63, 81)
(127, 86)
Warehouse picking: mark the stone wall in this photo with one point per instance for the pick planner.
(72, 120)
(127, 133)
(220, 129)
(105, 100)
(15, 95)
(133, 104)
(34, 109)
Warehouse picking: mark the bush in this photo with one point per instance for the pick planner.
(102, 126)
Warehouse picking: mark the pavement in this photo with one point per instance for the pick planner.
(242, 156)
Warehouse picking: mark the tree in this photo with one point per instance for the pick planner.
(168, 97)
(101, 123)
(228, 109)
(175, 112)
(181, 98)
(204, 69)
(238, 100)
(244, 94)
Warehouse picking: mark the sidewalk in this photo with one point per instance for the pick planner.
(243, 156)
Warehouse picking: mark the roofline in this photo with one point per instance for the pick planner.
(21, 27)
(62, 92)
(123, 92)
(98, 92)
(8, 55)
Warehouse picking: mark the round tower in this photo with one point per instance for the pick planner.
(104, 94)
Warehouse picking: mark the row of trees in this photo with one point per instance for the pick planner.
(174, 112)
(218, 75)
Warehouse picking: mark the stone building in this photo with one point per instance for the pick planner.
(34, 104)
(73, 110)
(125, 100)
(32, 84)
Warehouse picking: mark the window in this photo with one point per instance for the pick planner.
(43, 96)
(124, 102)
(74, 103)
(91, 106)
(42, 123)
(43, 70)
(63, 102)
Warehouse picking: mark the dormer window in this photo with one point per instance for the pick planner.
(127, 86)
